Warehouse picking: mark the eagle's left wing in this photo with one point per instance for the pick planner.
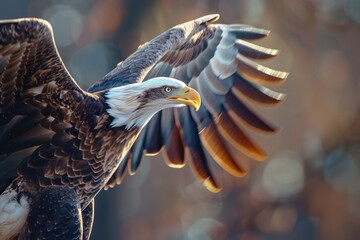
(216, 60)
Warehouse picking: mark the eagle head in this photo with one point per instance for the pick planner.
(135, 104)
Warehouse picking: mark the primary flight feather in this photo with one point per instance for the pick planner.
(60, 145)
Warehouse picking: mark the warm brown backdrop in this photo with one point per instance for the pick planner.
(309, 188)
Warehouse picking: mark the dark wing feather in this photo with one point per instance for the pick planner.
(40, 131)
(215, 60)
(153, 141)
(173, 144)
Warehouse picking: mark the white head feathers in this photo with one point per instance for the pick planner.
(135, 104)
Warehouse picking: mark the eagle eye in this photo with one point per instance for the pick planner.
(167, 89)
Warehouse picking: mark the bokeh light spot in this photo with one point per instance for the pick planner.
(335, 80)
(340, 169)
(89, 64)
(201, 228)
(66, 22)
(283, 176)
(353, 10)
(281, 219)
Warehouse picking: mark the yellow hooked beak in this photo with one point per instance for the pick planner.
(188, 96)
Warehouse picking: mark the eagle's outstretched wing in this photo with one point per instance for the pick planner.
(216, 60)
(36, 93)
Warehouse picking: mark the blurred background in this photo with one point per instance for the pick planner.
(309, 188)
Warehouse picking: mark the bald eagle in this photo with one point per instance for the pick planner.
(61, 145)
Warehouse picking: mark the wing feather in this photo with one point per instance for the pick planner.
(256, 93)
(173, 144)
(258, 73)
(137, 152)
(247, 32)
(243, 113)
(153, 141)
(251, 50)
(174, 149)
